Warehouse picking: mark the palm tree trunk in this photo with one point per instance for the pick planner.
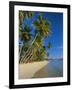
(29, 48)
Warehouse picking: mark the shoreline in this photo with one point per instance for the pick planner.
(27, 70)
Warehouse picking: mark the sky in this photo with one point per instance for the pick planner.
(56, 36)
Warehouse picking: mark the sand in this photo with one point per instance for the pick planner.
(27, 70)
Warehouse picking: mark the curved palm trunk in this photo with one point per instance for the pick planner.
(28, 51)
(43, 30)
(27, 58)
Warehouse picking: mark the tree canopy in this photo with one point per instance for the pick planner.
(32, 48)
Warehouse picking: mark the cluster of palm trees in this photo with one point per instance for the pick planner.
(32, 48)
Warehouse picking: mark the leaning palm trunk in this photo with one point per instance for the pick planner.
(28, 51)
(42, 30)
(27, 59)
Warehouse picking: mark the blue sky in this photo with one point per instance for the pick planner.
(56, 36)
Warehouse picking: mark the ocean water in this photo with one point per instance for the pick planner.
(53, 69)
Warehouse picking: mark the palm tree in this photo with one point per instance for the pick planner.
(42, 30)
(35, 51)
(41, 54)
(49, 46)
(25, 37)
(42, 26)
(24, 33)
(23, 14)
(38, 42)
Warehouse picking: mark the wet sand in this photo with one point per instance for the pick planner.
(52, 69)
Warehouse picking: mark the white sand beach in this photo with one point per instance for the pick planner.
(27, 70)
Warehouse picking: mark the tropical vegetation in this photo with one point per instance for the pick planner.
(31, 46)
